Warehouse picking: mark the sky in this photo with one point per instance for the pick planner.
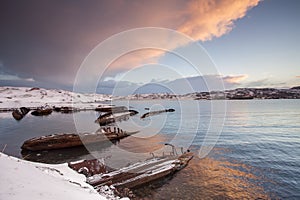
(248, 43)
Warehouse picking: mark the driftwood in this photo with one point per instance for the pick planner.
(148, 114)
(112, 117)
(42, 112)
(66, 140)
(140, 173)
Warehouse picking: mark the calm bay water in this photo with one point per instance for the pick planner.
(257, 154)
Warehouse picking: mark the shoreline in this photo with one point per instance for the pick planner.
(20, 178)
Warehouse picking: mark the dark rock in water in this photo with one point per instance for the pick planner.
(57, 109)
(170, 110)
(148, 114)
(42, 112)
(147, 108)
(18, 114)
(67, 109)
(24, 110)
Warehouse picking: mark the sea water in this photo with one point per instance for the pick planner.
(243, 148)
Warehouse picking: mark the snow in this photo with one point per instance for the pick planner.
(27, 180)
(15, 97)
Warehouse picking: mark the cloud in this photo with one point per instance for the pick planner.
(208, 19)
(200, 20)
(297, 76)
(54, 39)
(235, 79)
(178, 86)
(10, 77)
(268, 82)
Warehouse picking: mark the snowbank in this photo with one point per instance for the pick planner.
(15, 97)
(27, 180)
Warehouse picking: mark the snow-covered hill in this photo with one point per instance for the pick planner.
(14, 97)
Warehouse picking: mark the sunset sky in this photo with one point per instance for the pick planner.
(252, 43)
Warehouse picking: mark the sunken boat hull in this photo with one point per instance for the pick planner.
(142, 173)
(112, 117)
(67, 140)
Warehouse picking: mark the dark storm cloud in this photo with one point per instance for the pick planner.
(51, 38)
(47, 40)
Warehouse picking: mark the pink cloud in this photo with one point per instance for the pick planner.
(235, 79)
(208, 19)
(201, 20)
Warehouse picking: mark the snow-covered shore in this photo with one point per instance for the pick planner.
(28, 180)
(15, 97)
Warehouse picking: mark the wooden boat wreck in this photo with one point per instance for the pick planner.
(67, 140)
(148, 114)
(112, 117)
(42, 112)
(134, 175)
(111, 109)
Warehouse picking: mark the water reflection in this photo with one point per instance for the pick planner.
(65, 155)
(209, 178)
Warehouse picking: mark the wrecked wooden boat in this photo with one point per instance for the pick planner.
(42, 112)
(112, 117)
(67, 140)
(148, 114)
(134, 175)
(111, 109)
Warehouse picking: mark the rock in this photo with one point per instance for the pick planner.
(42, 112)
(18, 114)
(24, 110)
